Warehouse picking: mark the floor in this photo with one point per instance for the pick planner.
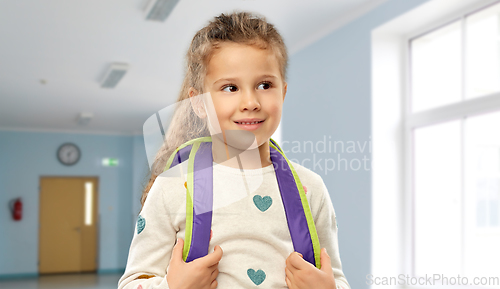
(65, 281)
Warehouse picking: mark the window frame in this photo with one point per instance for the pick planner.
(449, 112)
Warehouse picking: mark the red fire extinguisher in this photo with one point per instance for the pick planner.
(16, 208)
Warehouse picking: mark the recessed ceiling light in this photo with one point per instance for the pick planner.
(84, 118)
(114, 74)
(158, 10)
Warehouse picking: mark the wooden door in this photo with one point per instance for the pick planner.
(68, 216)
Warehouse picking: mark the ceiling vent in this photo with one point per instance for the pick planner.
(158, 10)
(114, 74)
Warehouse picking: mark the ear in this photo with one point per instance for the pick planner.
(197, 103)
(284, 89)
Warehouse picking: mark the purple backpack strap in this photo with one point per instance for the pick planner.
(202, 201)
(181, 155)
(294, 210)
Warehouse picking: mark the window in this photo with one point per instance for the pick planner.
(453, 122)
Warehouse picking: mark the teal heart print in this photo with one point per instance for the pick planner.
(263, 203)
(256, 277)
(141, 223)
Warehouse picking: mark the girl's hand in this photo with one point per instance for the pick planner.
(301, 274)
(197, 274)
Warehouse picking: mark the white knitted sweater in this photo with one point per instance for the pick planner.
(251, 238)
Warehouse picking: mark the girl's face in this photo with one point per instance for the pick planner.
(245, 85)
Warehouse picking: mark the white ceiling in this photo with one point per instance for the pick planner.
(69, 44)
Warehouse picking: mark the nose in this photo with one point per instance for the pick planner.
(249, 101)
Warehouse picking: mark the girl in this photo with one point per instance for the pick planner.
(238, 64)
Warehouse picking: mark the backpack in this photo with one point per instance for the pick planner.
(199, 198)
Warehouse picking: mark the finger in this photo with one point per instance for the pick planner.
(326, 264)
(177, 250)
(297, 262)
(289, 258)
(214, 266)
(292, 270)
(214, 274)
(287, 261)
(213, 285)
(214, 257)
(288, 273)
(288, 283)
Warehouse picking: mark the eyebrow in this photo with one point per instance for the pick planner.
(234, 79)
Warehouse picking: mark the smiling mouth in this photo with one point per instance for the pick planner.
(255, 122)
(249, 125)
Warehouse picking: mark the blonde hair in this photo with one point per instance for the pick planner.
(236, 27)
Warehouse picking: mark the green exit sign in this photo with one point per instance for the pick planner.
(109, 162)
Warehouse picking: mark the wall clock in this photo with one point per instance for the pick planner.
(68, 154)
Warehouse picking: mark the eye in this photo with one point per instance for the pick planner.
(267, 83)
(226, 86)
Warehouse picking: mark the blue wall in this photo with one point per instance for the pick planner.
(329, 96)
(27, 156)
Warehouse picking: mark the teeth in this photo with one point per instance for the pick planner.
(249, 122)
